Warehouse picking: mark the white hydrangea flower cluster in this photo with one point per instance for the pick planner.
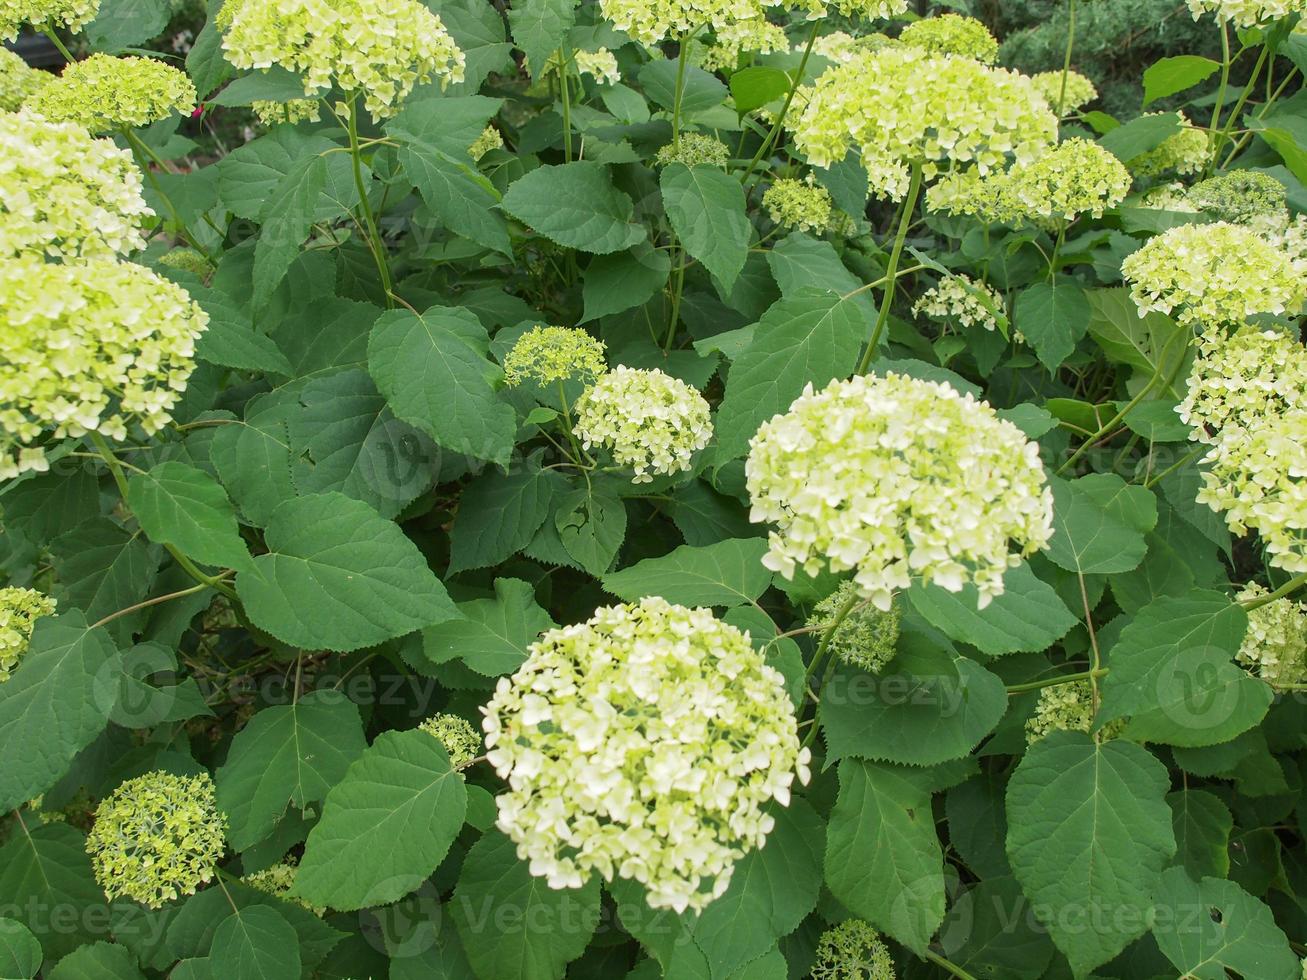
(1080, 91)
(600, 64)
(1169, 197)
(1213, 274)
(19, 610)
(1184, 152)
(897, 478)
(651, 422)
(490, 139)
(853, 9)
(1242, 378)
(379, 48)
(92, 346)
(71, 14)
(730, 41)
(643, 744)
(952, 34)
(65, 194)
(1247, 13)
(801, 204)
(18, 82)
(105, 93)
(901, 106)
(1275, 646)
(733, 22)
(958, 298)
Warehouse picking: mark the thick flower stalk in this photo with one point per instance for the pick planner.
(952, 34)
(901, 107)
(803, 205)
(1241, 197)
(1247, 13)
(547, 355)
(894, 479)
(1213, 275)
(650, 421)
(157, 837)
(104, 93)
(694, 149)
(643, 744)
(1275, 646)
(1080, 91)
(1183, 152)
(1242, 379)
(70, 14)
(93, 346)
(457, 736)
(852, 950)
(960, 299)
(379, 49)
(866, 637)
(18, 82)
(65, 194)
(19, 611)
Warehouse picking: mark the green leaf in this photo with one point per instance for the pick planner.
(1089, 832)
(255, 459)
(99, 961)
(124, 23)
(339, 576)
(1053, 319)
(1171, 75)
(180, 505)
(255, 943)
(1202, 826)
(1172, 670)
(274, 84)
(883, 858)
(492, 635)
(727, 573)
(20, 953)
(1151, 343)
(700, 93)
(704, 516)
(435, 371)
(624, 280)
(102, 569)
(540, 27)
(1137, 137)
(55, 703)
(1210, 927)
(46, 884)
(287, 221)
(385, 826)
(592, 527)
(231, 340)
(753, 87)
(478, 29)
(575, 205)
(1099, 523)
(287, 754)
(140, 704)
(204, 61)
(513, 925)
(812, 336)
(1028, 616)
(249, 176)
(498, 515)
(706, 208)
(997, 935)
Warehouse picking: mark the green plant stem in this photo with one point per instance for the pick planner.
(1243, 140)
(157, 600)
(952, 968)
(1189, 458)
(565, 84)
(375, 244)
(765, 147)
(1066, 60)
(682, 59)
(1226, 61)
(142, 149)
(1230, 120)
(823, 645)
(50, 32)
(1288, 588)
(567, 421)
(1057, 681)
(905, 219)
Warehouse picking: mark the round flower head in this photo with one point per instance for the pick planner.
(952, 34)
(1067, 708)
(653, 21)
(71, 14)
(694, 149)
(1184, 152)
(1240, 196)
(1241, 379)
(290, 112)
(105, 93)
(157, 837)
(852, 950)
(643, 744)
(1275, 646)
(278, 881)
(983, 197)
(901, 106)
(64, 193)
(18, 82)
(960, 299)
(853, 9)
(547, 355)
(733, 39)
(1212, 274)
(651, 422)
(19, 611)
(897, 478)
(379, 49)
(459, 739)
(1077, 177)
(89, 347)
(1247, 13)
(1080, 91)
(1168, 197)
(490, 139)
(866, 637)
(801, 204)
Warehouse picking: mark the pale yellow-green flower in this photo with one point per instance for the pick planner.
(547, 355)
(960, 299)
(1066, 708)
(801, 204)
(952, 34)
(600, 64)
(64, 193)
(379, 49)
(653, 21)
(643, 744)
(93, 346)
(1214, 274)
(731, 40)
(1168, 197)
(157, 837)
(290, 112)
(457, 736)
(900, 107)
(650, 421)
(105, 93)
(1080, 91)
(19, 611)
(1241, 196)
(852, 950)
(898, 479)
(278, 881)
(866, 637)
(18, 81)
(693, 149)
(853, 9)
(984, 198)
(490, 139)
(1241, 378)
(1275, 646)
(1247, 13)
(1183, 152)
(72, 14)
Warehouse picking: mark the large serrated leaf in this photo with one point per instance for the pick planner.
(723, 574)
(576, 205)
(707, 210)
(183, 506)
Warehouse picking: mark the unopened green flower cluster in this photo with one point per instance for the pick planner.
(650, 421)
(800, 204)
(18, 82)
(104, 93)
(187, 260)
(1275, 646)
(1183, 152)
(866, 637)
(1240, 196)
(693, 149)
(19, 611)
(490, 139)
(643, 744)
(278, 881)
(960, 299)
(290, 112)
(1065, 708)
(1247, 13)
(952, 34)
(1080, 91)
(852, 950)
(546, 355)
(1243, 378)
(459, 739)
(157, 837)
(896, 478)
(70, 14)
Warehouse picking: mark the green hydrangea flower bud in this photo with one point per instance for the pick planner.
(694, 149)
(852, 950)
(866, 637)
(801, 204)
(1240, 196)
(459, 738)
(547, 355)
(19, 611)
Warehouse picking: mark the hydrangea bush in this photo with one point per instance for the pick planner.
(636, 489)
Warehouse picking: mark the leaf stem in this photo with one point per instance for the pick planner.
(905, 219)
(952, 968)
(157, 600)
(143, 149)
(1288, 588)
(375, 244)
(1057, 681)
(765, 147)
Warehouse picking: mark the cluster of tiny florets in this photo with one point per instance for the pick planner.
(19, 611)
(600, 64)
(693, 149)
(457, 736)
(1212, 274)
(1240, 196)
(90, 346)
(730, 41)
(952, 34)
(1275, 646)
(895, 479)
(278, 881)
(65, 194)
(1065, 708)
(546, 355)
(490, 139)
(852, 950)
(960, 299)
(853, 9)
(866, 637)
(380, 49)
(157, 837)
(187, 260)
(643, 744)
(650, 421)
(18, 81)
(1242, 378)
(735, 24)
(290, 112)
(105, 93)
(900, 107)
(801, 204)
(1080, 91)
(1247, 13)
(70, 14)
(1183, 152)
